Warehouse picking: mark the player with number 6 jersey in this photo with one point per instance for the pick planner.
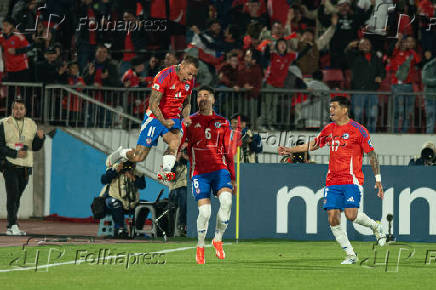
(212, 168)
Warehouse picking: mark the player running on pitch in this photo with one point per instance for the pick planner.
(348, 140)
(170, 98)
(212, 168)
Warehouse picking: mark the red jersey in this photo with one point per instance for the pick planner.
(398, 58)
(18, 61)
(130, 76)
(174, 92)
(347, 145)
(278, 69)
(209, 144)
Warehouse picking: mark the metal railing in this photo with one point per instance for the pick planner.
(279, 109)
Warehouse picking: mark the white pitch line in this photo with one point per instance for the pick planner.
(109, 257)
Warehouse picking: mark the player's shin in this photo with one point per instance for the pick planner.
(363, 220)
(223, 216)
(203, 222)
(342, 239)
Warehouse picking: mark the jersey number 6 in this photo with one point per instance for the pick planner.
(207, 133)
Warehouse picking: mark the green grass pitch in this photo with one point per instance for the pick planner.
(260, 264)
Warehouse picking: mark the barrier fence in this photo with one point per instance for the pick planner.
(273, 109)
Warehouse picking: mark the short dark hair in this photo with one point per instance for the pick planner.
(191, 60)
(9, 20)
(206, 88)
(343, 101)
(241, 116)
(18, 99)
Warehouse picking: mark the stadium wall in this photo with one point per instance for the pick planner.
(286, 203)
(76, 169)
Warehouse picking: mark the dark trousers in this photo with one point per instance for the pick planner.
(16, 180)
(178, 197)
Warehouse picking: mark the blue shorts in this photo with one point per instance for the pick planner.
(342, 196)
(204, 184)
(152, 128)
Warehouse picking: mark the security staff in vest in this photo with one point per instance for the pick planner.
(19, 136)
(122, 183)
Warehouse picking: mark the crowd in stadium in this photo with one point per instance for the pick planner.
(250, 44)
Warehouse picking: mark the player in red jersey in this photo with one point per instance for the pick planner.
(212, 168)
(348, 140)
(170, 99)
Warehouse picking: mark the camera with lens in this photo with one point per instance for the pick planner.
(127, 166)
(427, 156)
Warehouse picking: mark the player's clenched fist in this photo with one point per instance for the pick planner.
(283, 150)
(168, 123)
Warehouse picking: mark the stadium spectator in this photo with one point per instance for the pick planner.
(121, 190)
(228, 72)
(314, 110)
(151, 69)
(250, 78)
(52, 69)
(19, 137)
(402, 67)
(87, 35)
(349, 23)
(246, 11)
(230, 41)
(24, 14)
(367, 73)
(308, 48)
(429, 81)
(71, 102)
(101, 72)
(281, 58)
(210, 39)
(131, 78)
(278, 10)
(128, 41)
(169, 60)
(14, 47)
(177, 24)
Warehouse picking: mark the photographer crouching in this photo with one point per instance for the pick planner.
(427, 157)
(122, 183)
(251, 143)
(18, 138)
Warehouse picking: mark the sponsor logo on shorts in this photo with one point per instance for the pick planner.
(351, 199)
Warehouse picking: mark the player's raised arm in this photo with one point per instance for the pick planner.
(311, 146)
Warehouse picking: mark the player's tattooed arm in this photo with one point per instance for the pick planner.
(311, 146)
(376, 168)
(374, 162)
(187, 110)
(154, 105)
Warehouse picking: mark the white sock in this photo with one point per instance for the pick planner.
(342, 239)
(203, 223)
(223, 216)
(168, 162)
(363, 220)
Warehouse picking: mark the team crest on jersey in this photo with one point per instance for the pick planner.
(156, 86)
(187, 87)
(345, 136)
(217, 125)
(148, 141)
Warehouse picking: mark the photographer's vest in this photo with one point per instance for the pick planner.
(119, 190)
(18, 134)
